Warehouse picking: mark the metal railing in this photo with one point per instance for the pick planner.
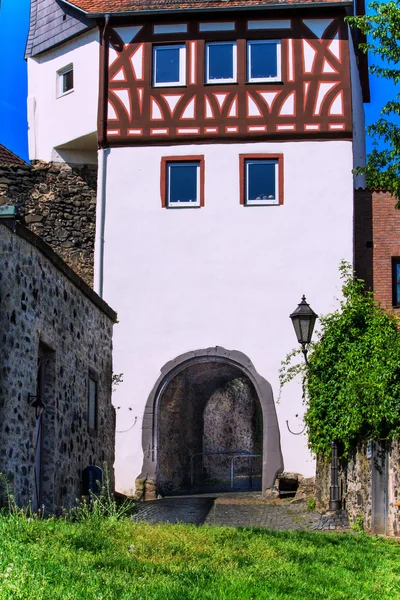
(235, 454)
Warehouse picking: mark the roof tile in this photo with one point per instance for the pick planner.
(123, 6)
(9, 159)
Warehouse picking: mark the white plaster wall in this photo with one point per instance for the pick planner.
(227, 275)
(359, 148)
(54, 121)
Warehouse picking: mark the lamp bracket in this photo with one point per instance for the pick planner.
(293, 432)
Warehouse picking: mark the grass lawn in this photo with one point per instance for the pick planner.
(105, 559)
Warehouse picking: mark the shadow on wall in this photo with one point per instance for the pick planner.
(209, 424)
(210, 419)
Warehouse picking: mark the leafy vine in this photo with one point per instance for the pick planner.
(352, 382)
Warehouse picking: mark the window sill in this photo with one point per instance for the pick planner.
(168, 85)
(265, 81)
(180, 206)
(261, 203)
(65, 94)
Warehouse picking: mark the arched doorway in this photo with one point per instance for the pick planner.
(207, 408)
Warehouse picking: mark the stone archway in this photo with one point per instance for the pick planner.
(206, 371)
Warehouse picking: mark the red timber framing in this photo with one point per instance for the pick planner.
(312, 100)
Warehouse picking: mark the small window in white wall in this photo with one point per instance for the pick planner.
(261, 179)
(221, 65)
(183, 184)
(182, 181)
(263, 61)
(169, 65)
(65, 80)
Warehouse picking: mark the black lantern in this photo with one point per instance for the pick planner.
(303, 319)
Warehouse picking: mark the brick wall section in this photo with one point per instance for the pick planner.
(376, 241)
(386, 229)
(43, 303)
(57, 202)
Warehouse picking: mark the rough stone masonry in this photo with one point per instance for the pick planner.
(48, 313)
(58, 202)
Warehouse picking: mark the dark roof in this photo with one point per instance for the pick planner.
(97, 7)
(53, 22)
(9, 159)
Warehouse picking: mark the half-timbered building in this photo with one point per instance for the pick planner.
(225, 133)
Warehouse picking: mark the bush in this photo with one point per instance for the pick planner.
(352, 381)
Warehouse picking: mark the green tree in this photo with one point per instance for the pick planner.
(352, 381)
(382, 28)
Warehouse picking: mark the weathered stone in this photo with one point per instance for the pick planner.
(33, 219)
(38, 305)
(49, 191)
(271, 493)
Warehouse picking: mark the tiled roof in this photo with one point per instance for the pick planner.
(9, 159)
(126, 6)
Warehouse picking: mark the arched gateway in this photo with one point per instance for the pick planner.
(179, 410)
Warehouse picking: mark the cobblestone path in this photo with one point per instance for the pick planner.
(244, 510)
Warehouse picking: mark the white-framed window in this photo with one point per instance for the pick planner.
(263, 60)
(221, 63)
(169, 65)
(261, 181)
(65, 80)
(183, 184)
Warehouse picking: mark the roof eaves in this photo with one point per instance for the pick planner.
(291, 5)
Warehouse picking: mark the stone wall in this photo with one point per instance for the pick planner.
(394, 489)
(357, 495)
(207, 407)
(361, 477)
(354, 481)
(57, 202)
(47, 313)
(233, 421)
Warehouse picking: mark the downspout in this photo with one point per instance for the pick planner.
(102, 161)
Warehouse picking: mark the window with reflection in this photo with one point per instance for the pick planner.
(221, 62)
(263, 61)
(169, 65)
(261, 181)
(396, 280)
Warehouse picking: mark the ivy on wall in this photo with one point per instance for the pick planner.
(352, 381)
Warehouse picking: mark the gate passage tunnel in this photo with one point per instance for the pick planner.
(209, 417)
(209, 423)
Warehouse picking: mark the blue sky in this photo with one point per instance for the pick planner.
(14, 22)
(381, 91)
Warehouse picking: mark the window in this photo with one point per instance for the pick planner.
(169, 65)
(261, 179)
(182, 182)
(396, 281)
(92, 402)
(65, 80)
(263, 61)
(221, 62)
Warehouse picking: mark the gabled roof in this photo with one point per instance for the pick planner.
(114, 7)
(53, 22)
(9, 159)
